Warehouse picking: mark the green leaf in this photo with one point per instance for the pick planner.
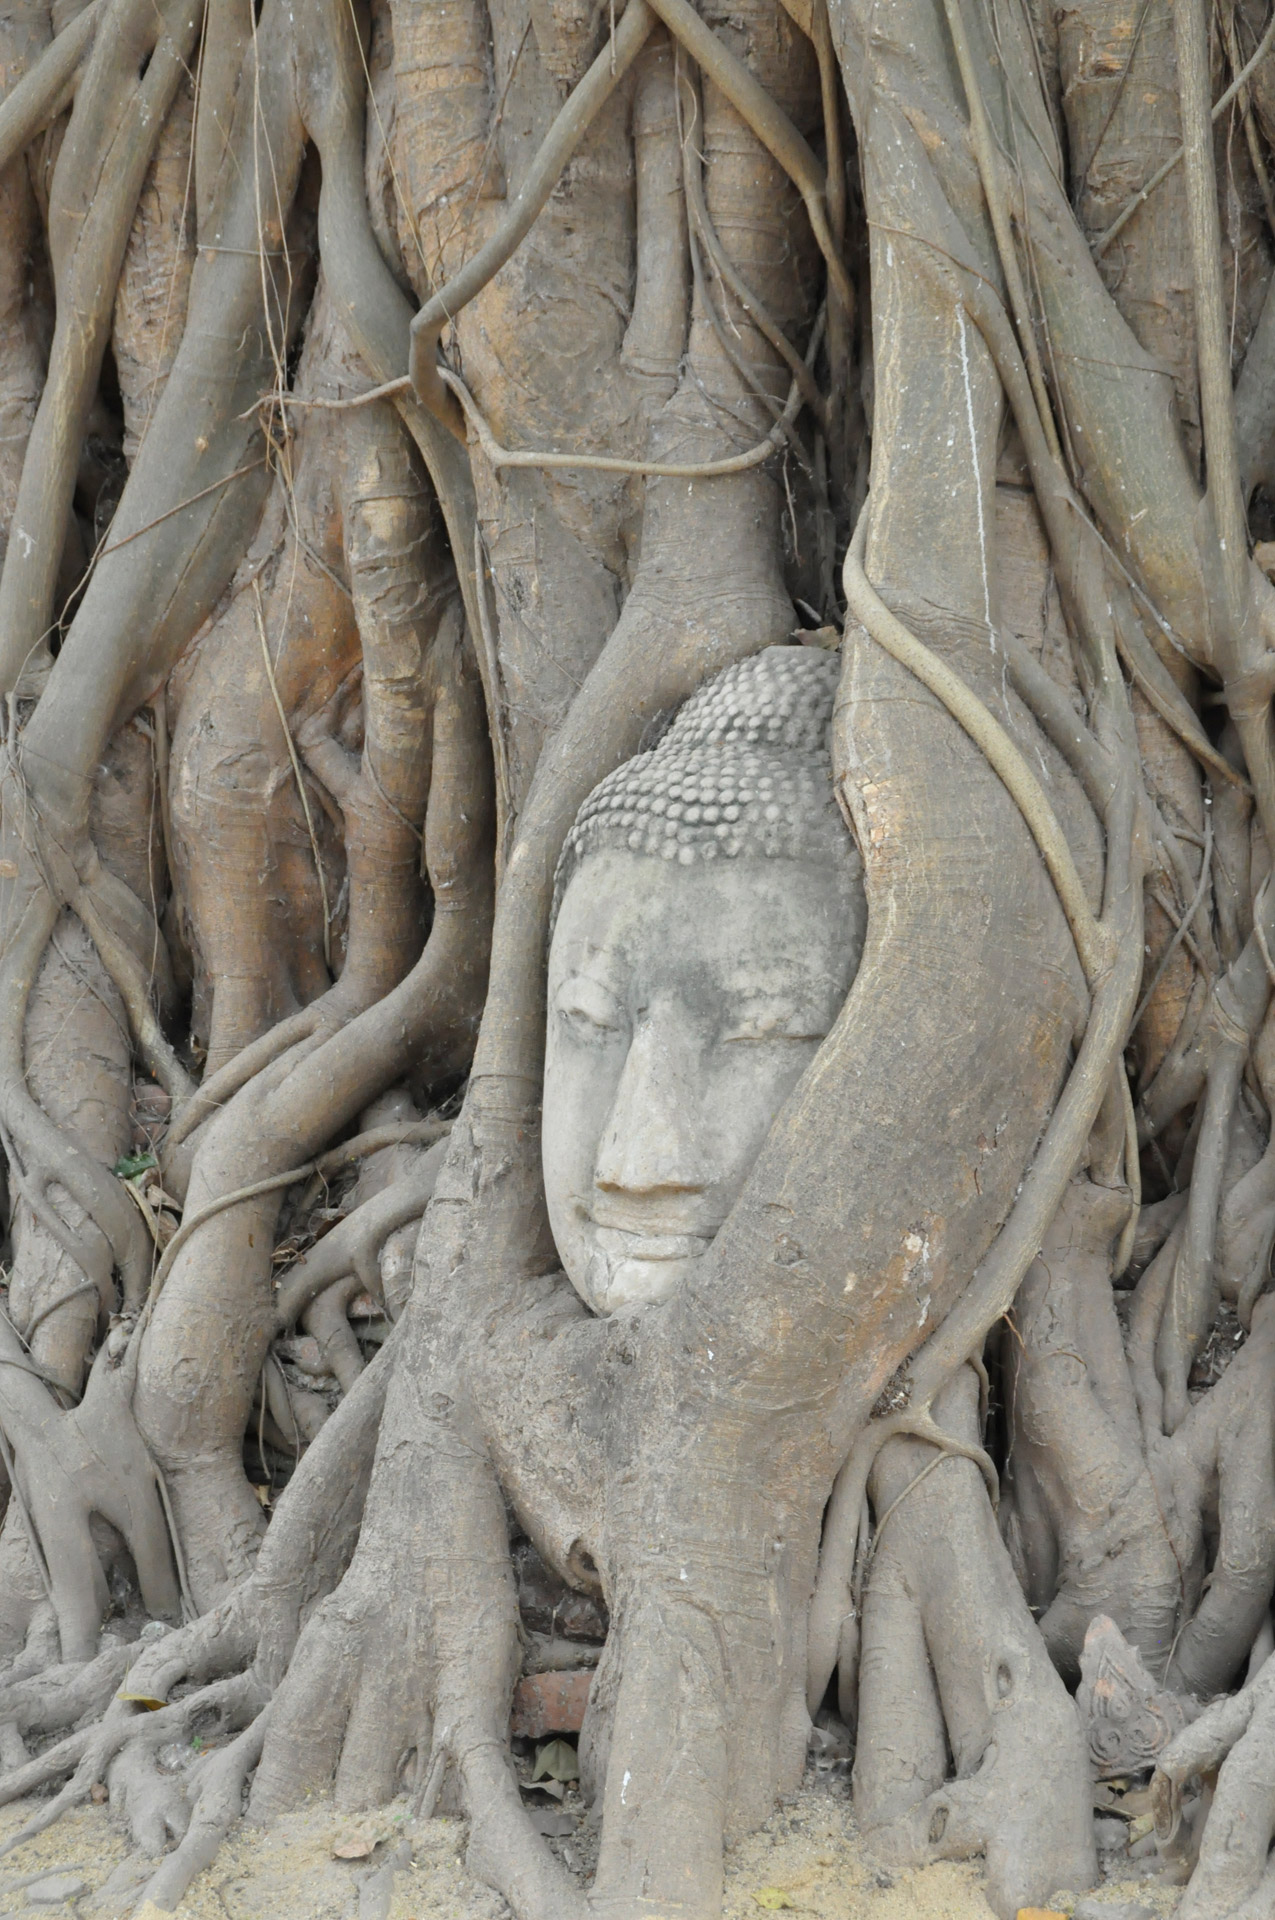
(129, 1165)
(774, 1899)
(556, 1760)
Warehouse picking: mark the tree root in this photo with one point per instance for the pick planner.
(71, 1465)
(229, 1703)
(1233, 1743)
(1084, 1515)
(43, 91)
(118, 121)
(218, 1804)
(566, 134)
(952, 1660)
(232, 1658)
(60, 1696)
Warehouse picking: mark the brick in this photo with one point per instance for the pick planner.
(550, 1703)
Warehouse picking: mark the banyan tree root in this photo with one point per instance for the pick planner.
(1172, 1536)
(225, 1666)
(1228, 1757)
(952, 1663)
(682, 1457)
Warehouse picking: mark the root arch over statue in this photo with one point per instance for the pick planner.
(635, 927)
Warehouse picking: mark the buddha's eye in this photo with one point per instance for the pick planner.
(773, 1022)
(586, 1010)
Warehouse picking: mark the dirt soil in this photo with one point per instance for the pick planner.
(806, 1860)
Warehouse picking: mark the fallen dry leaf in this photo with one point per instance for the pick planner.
(775, 1900)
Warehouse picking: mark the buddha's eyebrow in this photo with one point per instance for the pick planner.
(591, 962)
(780, 977)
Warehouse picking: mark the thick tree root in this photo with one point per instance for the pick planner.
(218, 1804)
(952, 1660)
(1233, 1744)
(228, 1704)
(231, 1660)
(72, 1465)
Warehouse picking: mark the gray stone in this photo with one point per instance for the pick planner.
(56, 1890)
(708, 893)
(1113, 1910)
(1128, 1719)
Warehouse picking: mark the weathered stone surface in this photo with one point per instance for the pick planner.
(709, 893)
(1127, 1717)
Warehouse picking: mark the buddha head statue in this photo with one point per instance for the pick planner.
(709, 916)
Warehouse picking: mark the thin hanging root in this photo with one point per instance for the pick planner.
(1240, 642)
(423, 1132)
(220, 1087)
(1217, 408)
(1068, 525)
(768, 121)
(1192, 1299)
(768, 327)
(38, 1142)
(840, 341)
(1132, 1174)
(45, 89)
(297, 773)
(1182, 930)
(560, 143)
(1058, 720)
(604, 463)
(1252, 139)
(1093, 941)
(1162, 173)
(135, 991)
(272, 1184)
(353, 1244)
(989, 168)
(1164, 694)
(372, 303)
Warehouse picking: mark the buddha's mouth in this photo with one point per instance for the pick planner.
(617, 1244)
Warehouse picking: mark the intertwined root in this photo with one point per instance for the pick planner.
(71, 1466)
(119, 1707)
(953, 1662)
(1230, 1751)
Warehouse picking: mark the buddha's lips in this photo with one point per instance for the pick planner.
(618, 1244)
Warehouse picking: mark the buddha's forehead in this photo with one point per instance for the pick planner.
(636, 921)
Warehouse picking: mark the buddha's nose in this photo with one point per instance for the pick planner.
(652, 1141)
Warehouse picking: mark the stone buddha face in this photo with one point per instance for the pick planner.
(710, 921)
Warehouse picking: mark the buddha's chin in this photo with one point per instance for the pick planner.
(634, 1282)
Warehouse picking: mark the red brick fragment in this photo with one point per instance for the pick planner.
(550, 1703)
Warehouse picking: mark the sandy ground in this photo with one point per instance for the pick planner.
(807, 1860)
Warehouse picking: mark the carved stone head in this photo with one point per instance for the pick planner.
(709, 920)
